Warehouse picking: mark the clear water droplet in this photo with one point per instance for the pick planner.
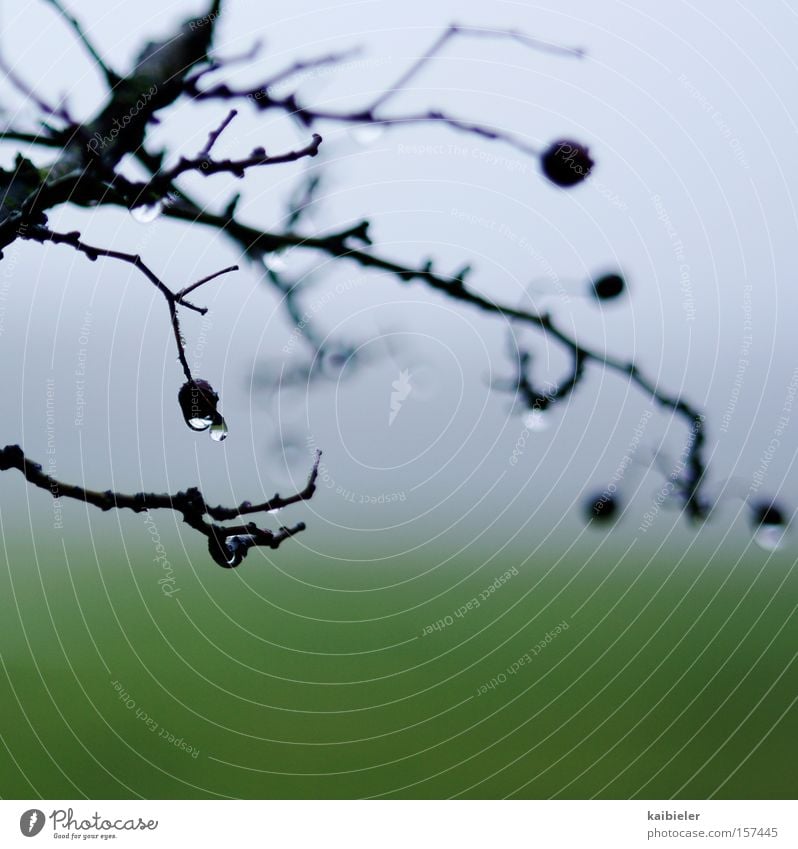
(146, 214)
(536, 421)
(238, 545)
(274, 261)
(219, 431)
(366, 134)
(769, 537)
(200, 423)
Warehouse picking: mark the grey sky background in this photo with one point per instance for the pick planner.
(687, 110)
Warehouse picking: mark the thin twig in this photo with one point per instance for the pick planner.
(111, 77)
(183, 292)
(189, 503)
(161, 182)
(42, 234)
(213, 136)
(264, 99)
(29, 94)
(449, 34)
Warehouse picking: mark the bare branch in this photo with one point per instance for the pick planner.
(454, 30)
(203, 164)
(223, 543)
(264, 98)
(42, 234)
(213, 136)
(183, 292)
(111, 77)
(29, 94)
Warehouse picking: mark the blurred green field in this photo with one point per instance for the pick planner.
(305, 679)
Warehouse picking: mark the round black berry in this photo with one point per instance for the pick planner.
(767, 513)
(608, 286)
(198, 402)
(566, 163)
(602, 508)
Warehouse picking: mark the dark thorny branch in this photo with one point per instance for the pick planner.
(85, 172)
(227, 544)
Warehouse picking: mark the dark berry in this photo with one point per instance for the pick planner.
(602, 507)
(767, 513)
(198, 402)
(566, 163)
(608, 286)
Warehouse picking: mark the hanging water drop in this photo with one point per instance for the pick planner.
(228, 552)
(366, 134)
(769, 524)
(769, 537)
(274, 261)
(219, 430)
(148, 213)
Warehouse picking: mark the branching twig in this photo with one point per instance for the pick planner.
(161, 182)
(338, 245)
(213, 136)
(111, 77)
(454, 30)
(264, 98)
(86, 174)
(223, 541)
(42, 234)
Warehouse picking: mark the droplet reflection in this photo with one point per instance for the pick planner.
(146, 214)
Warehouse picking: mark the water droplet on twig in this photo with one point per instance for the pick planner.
(219, 430)
(198, 402)
(769, 524)
(148, 213)
(366, 134)
(274, 261)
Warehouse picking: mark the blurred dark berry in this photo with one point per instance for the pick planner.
(602, 508)
(566, 163)
(767, 513)
(608, 286)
